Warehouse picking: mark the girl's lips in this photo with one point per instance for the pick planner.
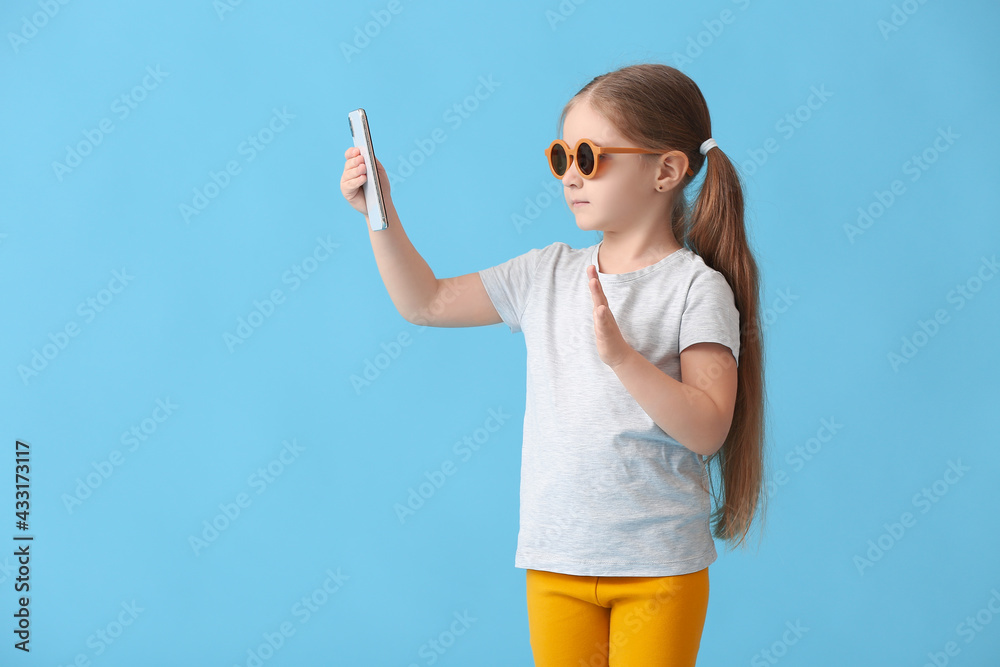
(580, 203)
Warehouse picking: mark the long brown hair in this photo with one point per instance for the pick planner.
(660, 108)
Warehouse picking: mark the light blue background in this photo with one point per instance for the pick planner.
(836, 307)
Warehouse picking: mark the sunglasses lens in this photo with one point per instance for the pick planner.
(585, 159)
(557, 156)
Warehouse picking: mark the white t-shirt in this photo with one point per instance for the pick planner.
(604, 490)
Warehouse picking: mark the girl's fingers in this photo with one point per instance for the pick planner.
(595, 291)
(352, 184)
(356, 171)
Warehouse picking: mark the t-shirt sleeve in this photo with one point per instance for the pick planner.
(509, 284)
(710, 314)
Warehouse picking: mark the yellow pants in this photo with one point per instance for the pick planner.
(579, 621)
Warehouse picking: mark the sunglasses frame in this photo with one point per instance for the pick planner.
(596, 150)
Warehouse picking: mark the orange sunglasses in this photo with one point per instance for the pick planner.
(586, 154)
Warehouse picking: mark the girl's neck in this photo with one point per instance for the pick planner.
(617, 255)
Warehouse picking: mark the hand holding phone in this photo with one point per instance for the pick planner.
(372, 183)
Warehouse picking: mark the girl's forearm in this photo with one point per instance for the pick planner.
(407, 276)
(685, 413)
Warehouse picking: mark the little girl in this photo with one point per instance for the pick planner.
(632, 385)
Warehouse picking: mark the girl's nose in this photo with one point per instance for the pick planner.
(572, 176)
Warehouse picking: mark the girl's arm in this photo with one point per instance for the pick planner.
(418, 295)
(408, 278)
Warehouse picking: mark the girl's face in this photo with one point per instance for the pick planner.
(624, 189)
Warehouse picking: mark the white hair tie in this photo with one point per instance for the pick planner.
(707, 145)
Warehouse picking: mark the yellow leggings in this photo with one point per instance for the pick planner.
(579, 621)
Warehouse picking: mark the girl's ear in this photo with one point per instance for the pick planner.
(670, 170)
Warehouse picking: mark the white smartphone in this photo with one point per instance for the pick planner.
(373, 184)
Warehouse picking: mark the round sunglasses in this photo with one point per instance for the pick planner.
(586, 154)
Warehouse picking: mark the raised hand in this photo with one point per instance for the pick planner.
(611, 345)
